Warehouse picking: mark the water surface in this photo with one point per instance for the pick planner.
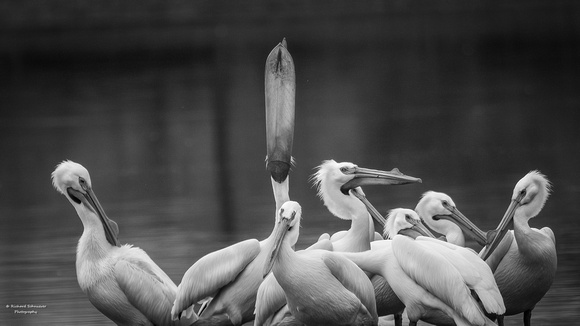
(176, 147)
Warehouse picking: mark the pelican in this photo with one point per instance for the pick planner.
(428, 274)
(335, 182)
(320, 286)
(524, 260)
(122, 282)
(525, 273)
(227, 280)
(271, 298)
(438, 211)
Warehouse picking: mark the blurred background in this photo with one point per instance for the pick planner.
(163, 102)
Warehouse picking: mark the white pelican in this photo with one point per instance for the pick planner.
(438, 211)
(227, 280)
(428, 274)
(525, 273)
(524, 260)
(122, 282)
(320, 286)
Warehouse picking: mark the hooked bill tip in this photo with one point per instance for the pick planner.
(490, 236)
(284, 44)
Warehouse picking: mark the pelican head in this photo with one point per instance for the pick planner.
(339, 186)
(287, 230)
(532, 192)
(405, 221)
(528, 199)
(440, 213)
(74, 182)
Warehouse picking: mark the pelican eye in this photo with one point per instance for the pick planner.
(344, 169)
(521, 196)
(447, 205)
(291, 226)
(83, 183)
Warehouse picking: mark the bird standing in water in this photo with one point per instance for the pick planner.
(527, 270)
(122, 282)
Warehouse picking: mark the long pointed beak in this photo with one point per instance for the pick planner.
(417, 230)
(465, 224)
(364, 176)
(370, 208)
(281, 230)
(423, 230)
(502, 228)
(90, 200)
(280, 90)
(110, 226)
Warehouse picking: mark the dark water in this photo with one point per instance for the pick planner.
(176, 148)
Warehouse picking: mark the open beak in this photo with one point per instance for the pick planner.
(465, 224)
(89, 199)
(281, 230)
(280, 90)
(503, 227)
(364, 176)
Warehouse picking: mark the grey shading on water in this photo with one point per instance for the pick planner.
(175, 144)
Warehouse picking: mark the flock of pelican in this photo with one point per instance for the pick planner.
(351, 277)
